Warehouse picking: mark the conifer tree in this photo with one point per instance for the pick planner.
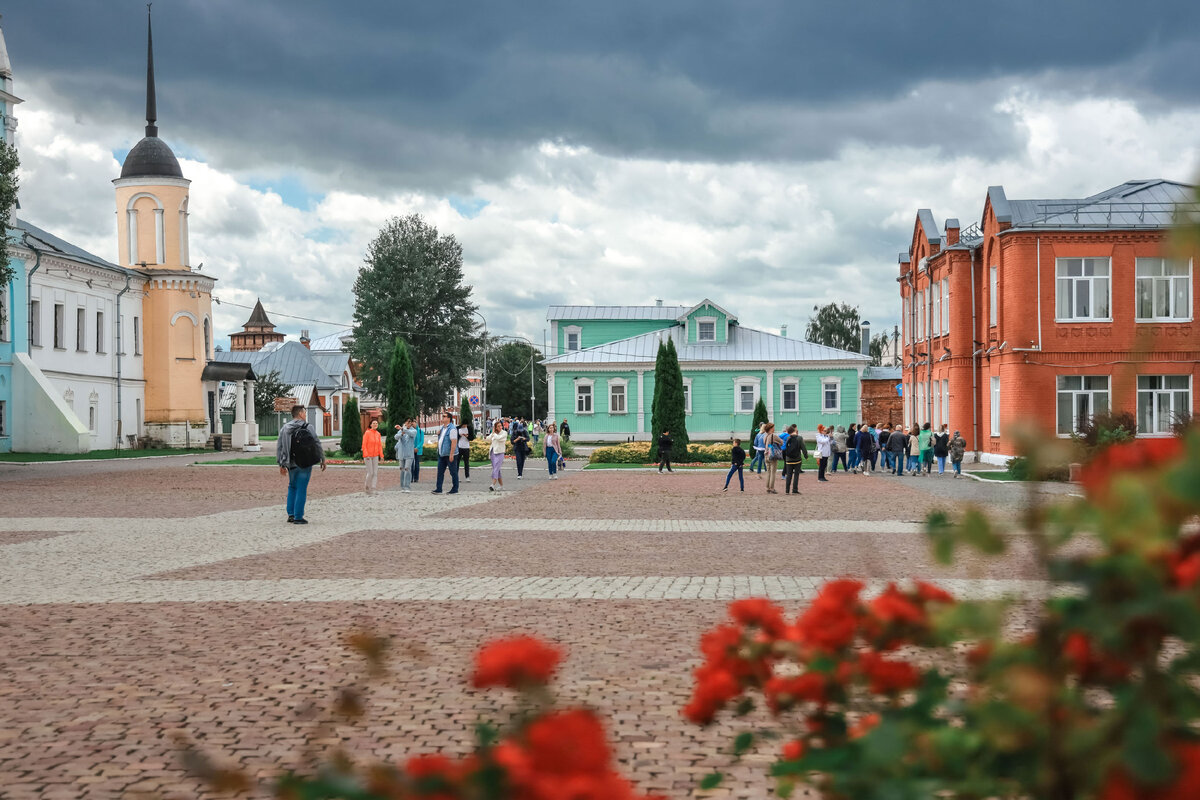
(668, 412)
(760, 416)
(401, 396)
(352, 432)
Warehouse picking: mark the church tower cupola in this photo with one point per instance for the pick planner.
(151, 156)
(8, 100)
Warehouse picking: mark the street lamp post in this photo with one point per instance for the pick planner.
(483, 383)
(532, 383)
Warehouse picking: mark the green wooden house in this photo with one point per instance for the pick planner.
(601, 372)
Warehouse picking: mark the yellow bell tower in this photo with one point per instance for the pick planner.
(152, 237)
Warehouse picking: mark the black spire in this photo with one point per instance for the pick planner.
(151, 110)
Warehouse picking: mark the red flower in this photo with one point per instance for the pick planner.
(783, 693)
(863, 726)
(1187, 571)
(714, 688)
(1127, 457)
(831, 622)
(1184, 786)
(568, 742)
(793, 750)
(1078, 649)
(760, 612)
(888, 676)
(892, 606)
(429, 765)
(516, 663)
(933, 594)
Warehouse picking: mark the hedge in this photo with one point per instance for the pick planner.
(639, 453)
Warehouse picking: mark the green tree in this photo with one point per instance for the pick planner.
(8, 200)
(760, 416)
(466, 417)
(669, 412)
(835, 325)
(411, 285)
(266, 389)
(400, 395)
(880, 346)
(352, 432)
(508, 379)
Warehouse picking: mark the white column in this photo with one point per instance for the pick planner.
(550, 395)
(240, 432)
(160, 255)
(641, 420)
(251, 417)
(131, 219)
(770, 398)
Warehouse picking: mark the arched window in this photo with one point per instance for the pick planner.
(207, 339)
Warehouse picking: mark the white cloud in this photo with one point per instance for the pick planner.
(766, 240)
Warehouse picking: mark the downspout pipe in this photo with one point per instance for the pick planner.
(1037, 349)
(974, 367)
(37, 264)
(120, 352)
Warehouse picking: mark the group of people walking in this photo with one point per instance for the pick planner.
(860, 449)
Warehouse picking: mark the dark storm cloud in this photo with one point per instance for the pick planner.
(436, 94)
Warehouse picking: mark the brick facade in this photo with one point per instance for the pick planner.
(1038, 344)
(881, 403)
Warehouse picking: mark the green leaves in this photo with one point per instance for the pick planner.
(711, 781)
(9, 163)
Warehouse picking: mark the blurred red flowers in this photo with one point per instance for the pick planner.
(1132, 456)
(517, 662)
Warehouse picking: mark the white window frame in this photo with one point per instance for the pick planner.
(703, 320)
(1154, 398)
(936, 415)
(945, 401)
(945, 306)
(921, 316)
(994, 394)
(993, 295)
(93, 416)
(567, 331)
(1171, 295)
(591, 396)
(80, 329)
(1059, 266)
(35, 323)
(838, 386)
(100, 332)
(738, 383)
(789, 380)
(937, 309)
(60, 326)
(1074, 395)
(623, 384)
(137, 337)
(687, 396)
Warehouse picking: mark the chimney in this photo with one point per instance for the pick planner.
(952, 228)
(866, 338)
(783, 331)
(304, 338)
(658, 303)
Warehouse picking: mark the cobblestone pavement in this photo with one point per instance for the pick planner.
(141, 605)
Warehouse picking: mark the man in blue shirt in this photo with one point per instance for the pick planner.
(447, 448)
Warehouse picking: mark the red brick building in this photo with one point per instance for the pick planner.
(1050, 311)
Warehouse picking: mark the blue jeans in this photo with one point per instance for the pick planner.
(552, 460)
(853, 458)
(941, 464)
(887, 460)
(298, 478)
(416, 467)
(741, 481)
(760, 458)
(957, 467)
(914, 463)
(445, 462)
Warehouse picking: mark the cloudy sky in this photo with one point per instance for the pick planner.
(770, 155)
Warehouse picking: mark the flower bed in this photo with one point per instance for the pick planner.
(639, 453)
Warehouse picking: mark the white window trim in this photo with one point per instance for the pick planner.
(1137, 391)
(945, 306)
(838, 381)
(1091, 399)
(687, 385)
(713, 320)
(567, 331)
(784, 380)
(591, 384)
(1165, 320)
(743, 380)
(624, 384)
(994, 404)
(1085, 320)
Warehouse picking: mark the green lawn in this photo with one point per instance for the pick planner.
(713, 467)
(95, 455)
(995, 475)
(264, 460)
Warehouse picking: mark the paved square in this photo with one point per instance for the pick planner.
(143, 601)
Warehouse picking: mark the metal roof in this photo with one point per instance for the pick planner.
(292, 360)
(663, 312)
(49, 243)
(334, 364)
(1134, 204)
(334, 342)
(925, 216)
(745, 344)
(882, 374)
(227, 371)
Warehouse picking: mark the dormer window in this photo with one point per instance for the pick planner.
(571, 338)
(706, 330)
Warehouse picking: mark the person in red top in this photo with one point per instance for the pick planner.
(372, 451)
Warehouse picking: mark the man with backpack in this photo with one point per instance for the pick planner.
(297, 452)
(664, 452)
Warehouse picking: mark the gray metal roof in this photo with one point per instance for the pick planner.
(292, 360)
(49, 243)
(335, 342)
(1134, 204)
(929, 225)
(745, 344)
(663, 312)
(334, 364)
(882, 374)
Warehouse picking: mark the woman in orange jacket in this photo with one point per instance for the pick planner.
(372, 450)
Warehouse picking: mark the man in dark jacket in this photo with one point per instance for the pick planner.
(298, 476)
(898, 447)
(664, 451)
(794, 453)
(884, 435)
